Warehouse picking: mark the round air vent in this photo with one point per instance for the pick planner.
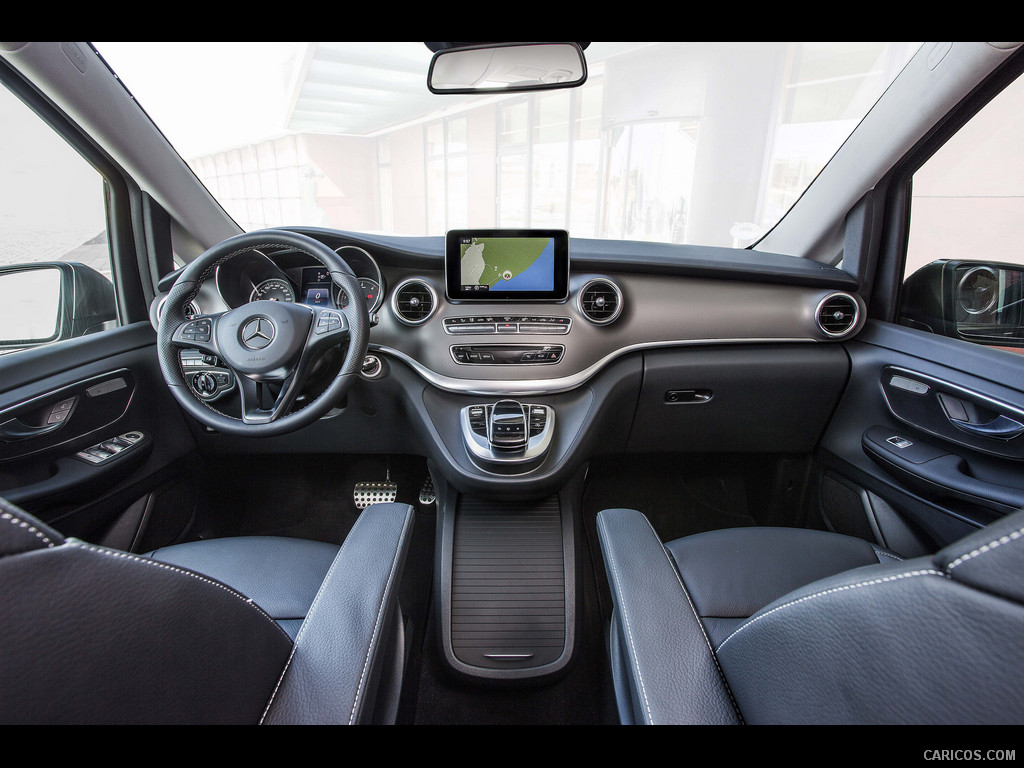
(837, 314)
(413, 301)
(600, 301)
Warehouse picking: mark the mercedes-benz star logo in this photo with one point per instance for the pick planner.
(258, 333)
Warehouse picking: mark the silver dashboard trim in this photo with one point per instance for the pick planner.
(856, 315)
(394, 301)
(529, 387)
(618, 293)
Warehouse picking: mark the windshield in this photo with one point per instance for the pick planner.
(702, 143)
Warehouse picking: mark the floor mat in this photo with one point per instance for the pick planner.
(308, 497)
(679, 495)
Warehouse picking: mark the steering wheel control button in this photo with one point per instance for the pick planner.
(329, 322)
(196, 330)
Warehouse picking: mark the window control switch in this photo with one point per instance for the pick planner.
(102, 452)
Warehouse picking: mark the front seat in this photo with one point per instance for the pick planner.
(788, 626)
(247, 630)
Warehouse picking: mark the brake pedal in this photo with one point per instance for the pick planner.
(427, 494)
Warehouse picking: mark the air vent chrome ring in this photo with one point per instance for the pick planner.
(843, 318)
(417, 301)
(599, 315)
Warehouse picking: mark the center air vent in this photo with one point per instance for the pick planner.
(600, 301)
(413, 302)
(838, 314)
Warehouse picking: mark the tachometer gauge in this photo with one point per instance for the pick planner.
(340, 297)
(274, 289)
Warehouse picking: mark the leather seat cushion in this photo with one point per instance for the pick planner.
(732, 574)
(280, 575)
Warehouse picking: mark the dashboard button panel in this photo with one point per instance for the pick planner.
(507, 354)
(507, 324)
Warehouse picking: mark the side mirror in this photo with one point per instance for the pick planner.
(506, 67)
(47, 302)
(975, 301)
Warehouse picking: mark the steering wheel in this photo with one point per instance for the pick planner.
(263, 342)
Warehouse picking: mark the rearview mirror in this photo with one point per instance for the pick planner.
(507, 67)
(975, 301)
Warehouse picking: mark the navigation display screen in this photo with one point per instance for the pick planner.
(507, 265)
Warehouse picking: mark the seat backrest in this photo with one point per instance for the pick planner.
(932, 640)
(89, 634)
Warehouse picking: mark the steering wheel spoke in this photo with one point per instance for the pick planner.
(259, 403)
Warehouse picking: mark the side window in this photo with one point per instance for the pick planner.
(55, 273)
(964, 274)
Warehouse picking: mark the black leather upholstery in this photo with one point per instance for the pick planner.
(285, 591)
(732, 574)
(673, 676)
(838, 631)
(92, 635)
(352, 632)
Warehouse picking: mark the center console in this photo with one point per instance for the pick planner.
(507, 433)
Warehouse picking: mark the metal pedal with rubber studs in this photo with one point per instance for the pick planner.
(380, 492)
(427, 494)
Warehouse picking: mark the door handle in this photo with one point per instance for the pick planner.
(964, 416)
(1000, 428)
(16, 429)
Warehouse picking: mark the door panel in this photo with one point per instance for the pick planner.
(898, 437)
(59, 403)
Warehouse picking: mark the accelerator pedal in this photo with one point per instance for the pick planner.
(380, 492)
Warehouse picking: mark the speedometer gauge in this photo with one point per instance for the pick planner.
(274, 289)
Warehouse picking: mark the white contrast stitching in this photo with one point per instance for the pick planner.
(175, 569)
(302, 629)
(986, 548)
(380, 612)
(696, 616)
(13, 520)
(629, 631)
(833, 590)
(880, 553)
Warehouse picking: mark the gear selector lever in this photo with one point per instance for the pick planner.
(508, 433)
(507, 428)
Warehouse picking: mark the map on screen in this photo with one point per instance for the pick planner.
(507, 263)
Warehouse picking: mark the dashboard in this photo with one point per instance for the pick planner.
(635, 353)
(501, 346)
